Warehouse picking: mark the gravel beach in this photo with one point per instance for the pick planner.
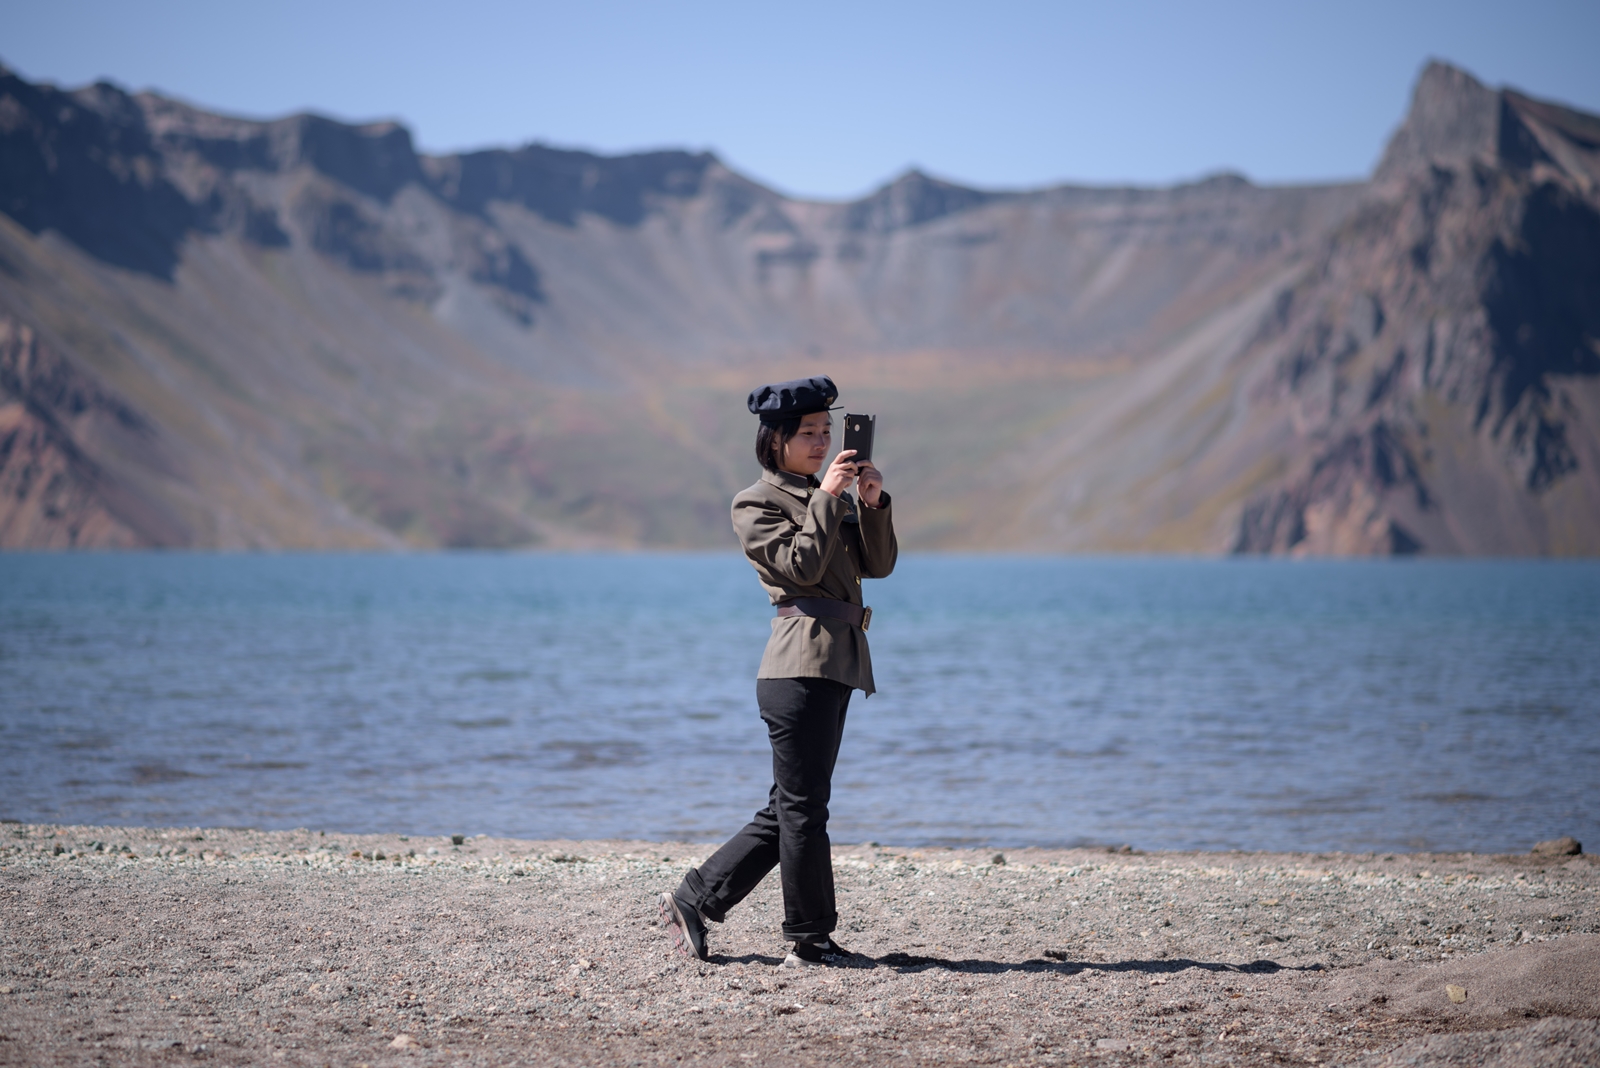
(170, 946)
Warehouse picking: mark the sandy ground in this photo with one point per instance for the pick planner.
(135, 946)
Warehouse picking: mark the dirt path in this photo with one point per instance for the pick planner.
(132, 946)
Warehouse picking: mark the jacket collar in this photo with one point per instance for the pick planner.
(799, 485)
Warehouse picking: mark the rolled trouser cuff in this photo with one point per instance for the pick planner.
(811, 930)
(691, 892)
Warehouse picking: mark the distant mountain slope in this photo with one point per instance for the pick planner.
(1441, 361)
(219, 332)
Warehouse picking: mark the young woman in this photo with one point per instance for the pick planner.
(811, 545)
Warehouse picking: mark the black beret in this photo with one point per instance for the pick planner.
(785, 400)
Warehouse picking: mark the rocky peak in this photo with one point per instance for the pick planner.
(82, 163)
(560, 184)
(376, 159)
(1455, 120)
(1226, 181)
(910, 200)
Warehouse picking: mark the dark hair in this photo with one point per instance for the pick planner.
(771, 438)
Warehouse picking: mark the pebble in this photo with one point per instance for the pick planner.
(1558, 847)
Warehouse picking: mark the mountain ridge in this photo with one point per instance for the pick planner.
(332, 339)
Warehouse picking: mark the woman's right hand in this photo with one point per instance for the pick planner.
(841, 474)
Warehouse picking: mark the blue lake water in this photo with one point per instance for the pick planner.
(1166, 703)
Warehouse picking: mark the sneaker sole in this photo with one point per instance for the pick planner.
(674, 923)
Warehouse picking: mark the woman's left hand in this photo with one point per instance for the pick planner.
(869, 484)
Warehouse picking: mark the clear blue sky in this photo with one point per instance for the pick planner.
(830, 99)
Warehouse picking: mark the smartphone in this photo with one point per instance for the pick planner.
(858, 435)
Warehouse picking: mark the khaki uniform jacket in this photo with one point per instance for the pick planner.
(807, 543)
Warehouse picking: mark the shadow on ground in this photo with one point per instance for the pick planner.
(1051, 963)
(908, 962)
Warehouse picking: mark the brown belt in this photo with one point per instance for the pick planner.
(854, 614)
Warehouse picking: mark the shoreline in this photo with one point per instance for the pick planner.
(241, 946)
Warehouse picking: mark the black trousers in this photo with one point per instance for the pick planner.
(805, 720)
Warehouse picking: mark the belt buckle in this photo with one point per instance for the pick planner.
(866, 618)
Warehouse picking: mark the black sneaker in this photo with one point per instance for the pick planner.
(688, 929)
(816, 954)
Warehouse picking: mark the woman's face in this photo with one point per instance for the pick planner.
(807, 451)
